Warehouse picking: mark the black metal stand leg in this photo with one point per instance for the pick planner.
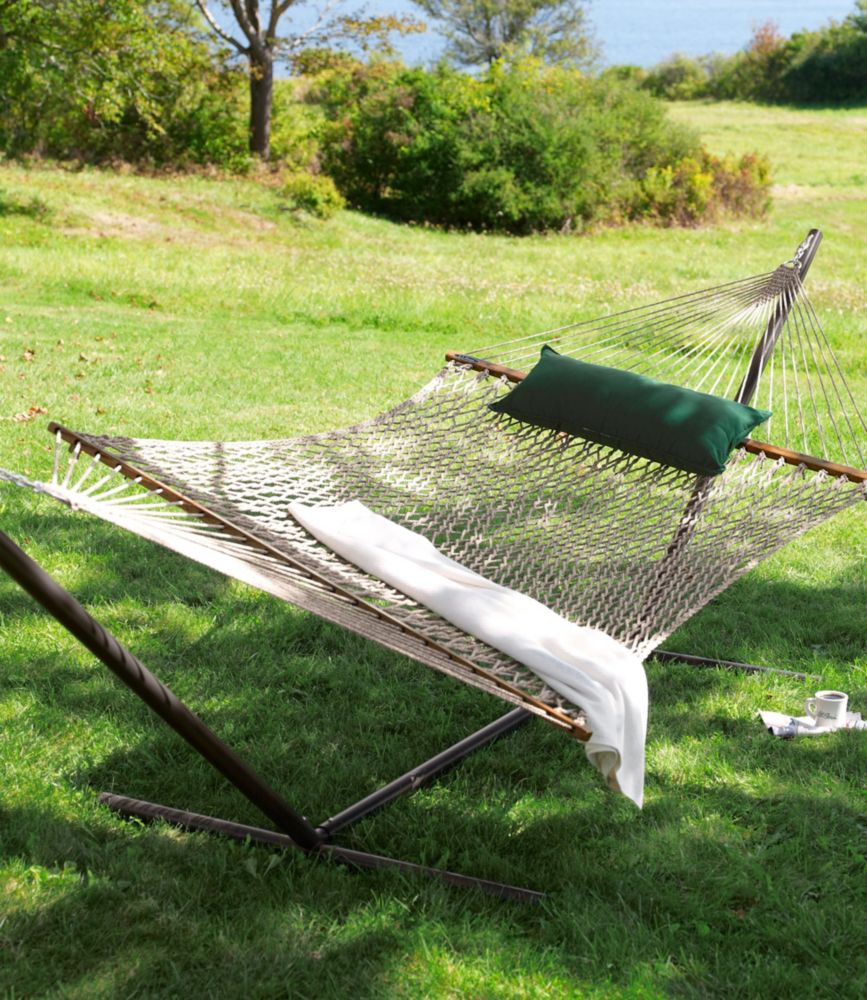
(424, 773)
(665, 656)
(120, 661)
(196, 822)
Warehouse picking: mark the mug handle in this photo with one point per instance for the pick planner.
(810, 707)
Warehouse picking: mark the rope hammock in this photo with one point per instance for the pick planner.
(604, 538)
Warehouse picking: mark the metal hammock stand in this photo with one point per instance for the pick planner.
(602, 537)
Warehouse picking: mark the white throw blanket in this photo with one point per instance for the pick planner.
(584, 665)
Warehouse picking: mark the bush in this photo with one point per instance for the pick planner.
(524, 148)
(207, 125)
(678, 79)
(315, 194)
(704, 188)
(624, 73)
(295, 127)
(754, 74)
(825, 67)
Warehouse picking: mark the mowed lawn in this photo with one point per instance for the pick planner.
(189, 307)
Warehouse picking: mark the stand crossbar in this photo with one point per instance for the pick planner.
(667, 656)
(424, 773)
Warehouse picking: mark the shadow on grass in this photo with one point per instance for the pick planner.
(33, 207)
(752, 863)
(764, 889)
(142, 911)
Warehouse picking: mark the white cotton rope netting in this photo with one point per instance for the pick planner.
(603, 538)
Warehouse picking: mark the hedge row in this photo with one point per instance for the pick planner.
(828, 66)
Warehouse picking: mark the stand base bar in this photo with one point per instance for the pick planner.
(423, 773)
(666, 656)
(149, 812)
(196, 822)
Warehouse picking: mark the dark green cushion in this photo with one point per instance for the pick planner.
(683, 428)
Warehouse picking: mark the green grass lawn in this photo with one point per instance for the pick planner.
(195, 308)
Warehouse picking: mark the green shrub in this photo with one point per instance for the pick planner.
(206, 125)
(624, 73)
(315, 194)
(703, 188)
(753, 74)
(523, 148)
(295, 127)
(678, 78)
(825, 67)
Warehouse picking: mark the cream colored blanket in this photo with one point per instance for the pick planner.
(584, 665)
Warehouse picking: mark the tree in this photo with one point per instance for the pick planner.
(482, 31)
(262, 45)
(858, 19)
(95, 79)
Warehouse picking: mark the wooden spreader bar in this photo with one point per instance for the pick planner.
(771, 451)
(808, 461)
(480, 365)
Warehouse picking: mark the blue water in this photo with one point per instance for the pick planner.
(641, 32)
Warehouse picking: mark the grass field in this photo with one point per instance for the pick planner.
(195, 308)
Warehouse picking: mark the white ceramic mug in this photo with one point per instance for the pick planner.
(828, 708)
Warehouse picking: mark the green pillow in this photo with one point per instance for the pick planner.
(679, 427)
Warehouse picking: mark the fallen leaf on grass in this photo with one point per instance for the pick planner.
(34, 411)
(29, 354)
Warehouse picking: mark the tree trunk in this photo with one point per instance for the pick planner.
(261, 94)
